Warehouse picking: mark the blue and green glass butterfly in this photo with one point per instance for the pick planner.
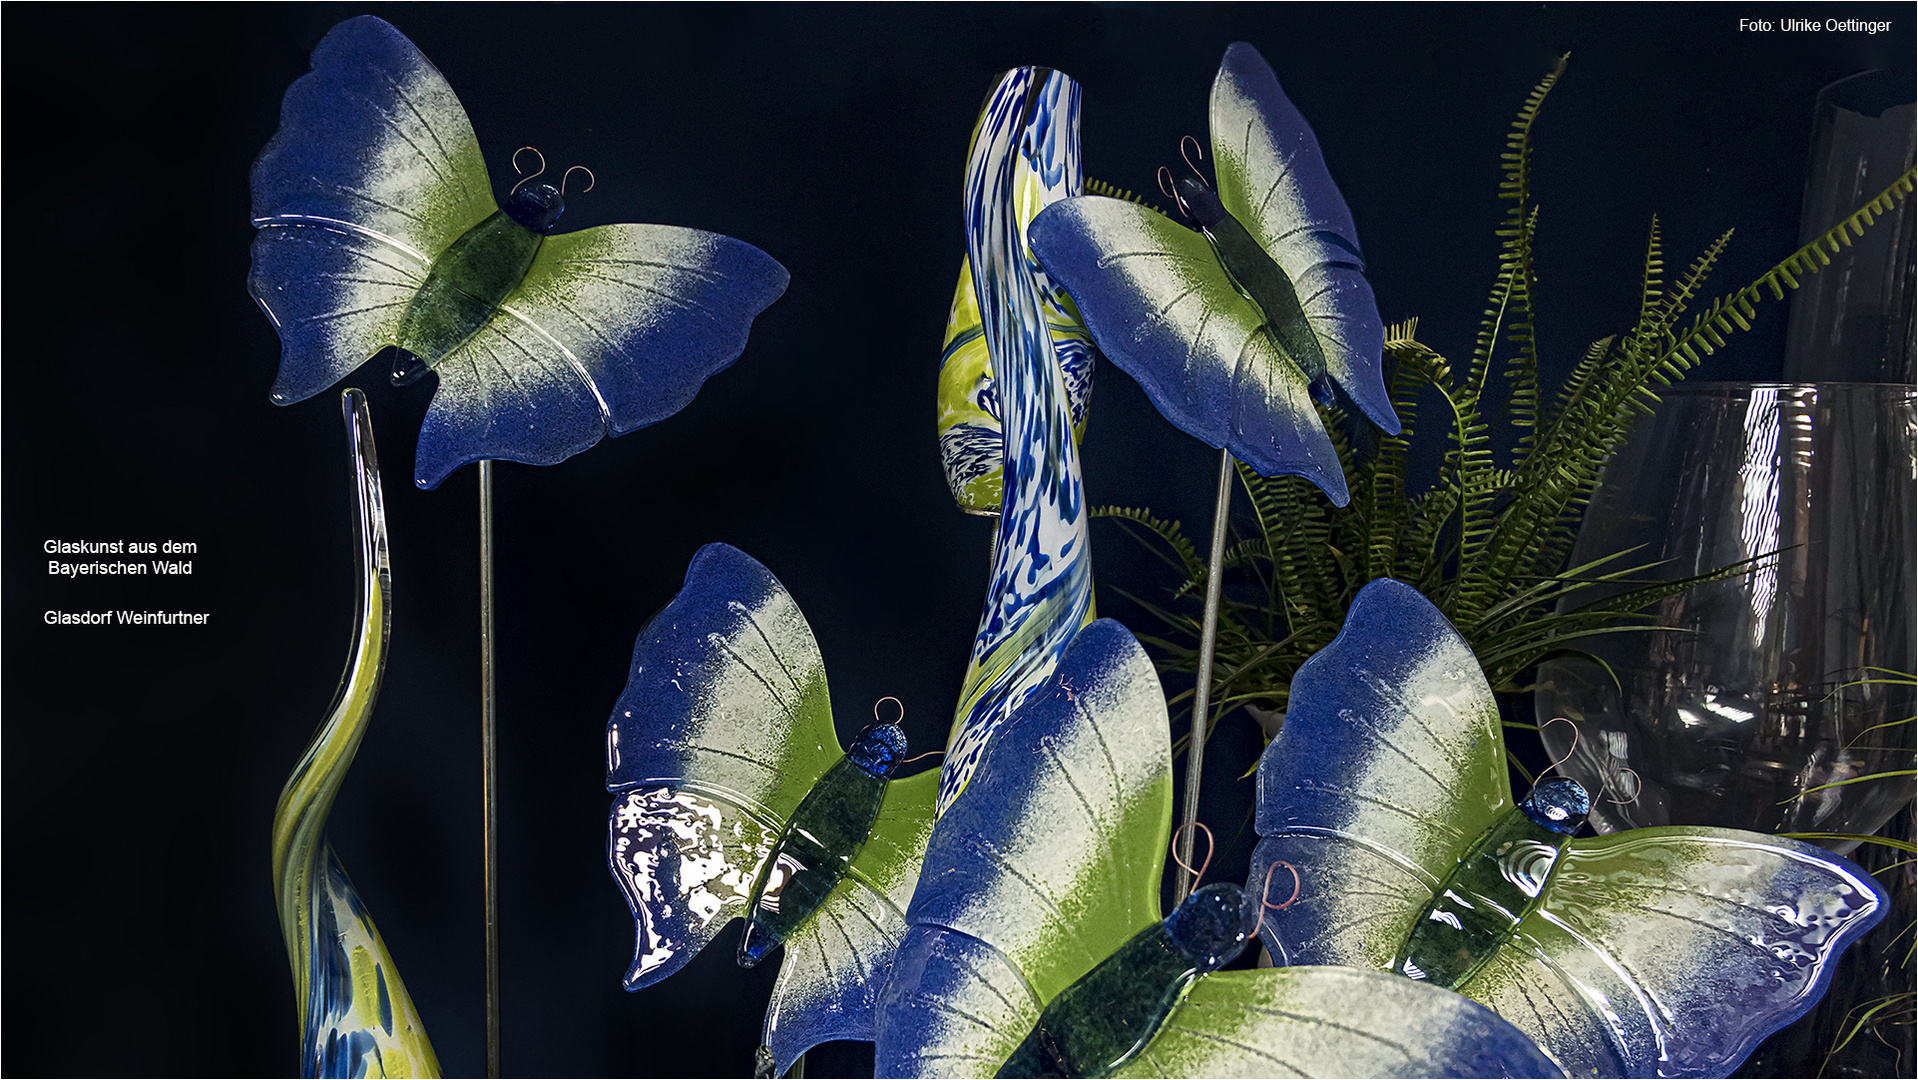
(1036, 945)
(1651, 952)
(1236, 329)
(378, 227)
(732, 799)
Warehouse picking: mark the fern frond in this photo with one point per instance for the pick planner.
(1095, 186)
(1185, 557)
(1732, 312)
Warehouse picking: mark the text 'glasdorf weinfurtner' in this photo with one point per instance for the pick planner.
(122, 558)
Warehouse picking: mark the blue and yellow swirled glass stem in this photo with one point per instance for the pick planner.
(1045, 169)
(355, 1016)
(1040, 592)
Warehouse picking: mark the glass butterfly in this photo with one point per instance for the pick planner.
(356, 1018)
(732, 799)
(1650, 952)
(378, 227)
(1036, 945)
(1235, 330)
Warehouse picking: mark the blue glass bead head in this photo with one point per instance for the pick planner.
(1558, 804)
(878, 748)
(536, 206)
(1212, 925)
(1199, 201)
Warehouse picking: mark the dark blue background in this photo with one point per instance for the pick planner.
(142, 764)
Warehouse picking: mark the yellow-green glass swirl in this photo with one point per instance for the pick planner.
(355, 1016)
(1045, 169)
(1040, 591)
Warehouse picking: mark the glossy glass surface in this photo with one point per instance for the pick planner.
(1103, 1020)
(715, 755)
(362, 197)
(971, 429)
(1040, 590)
(819, 843)
(1649, 952)
(1162, 306)
(1050, 862)
(355, 1016)
(1476, 908)
(1852, 321)
(1776, 682)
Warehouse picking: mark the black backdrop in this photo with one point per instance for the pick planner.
(142, 763)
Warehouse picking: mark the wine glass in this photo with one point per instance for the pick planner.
(1779, 698)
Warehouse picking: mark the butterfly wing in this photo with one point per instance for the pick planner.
(1333, 1021)
(724, 725)
(613, 328)
(1674, 951)
(1048, 861)
(1650, 952)
(836, 963)
(1272, 178)
(1390, 764)
(1159, 305)
(374, 171)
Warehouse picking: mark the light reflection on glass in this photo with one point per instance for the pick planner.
(1759, 508)
(1765, 692)
(1735, 715)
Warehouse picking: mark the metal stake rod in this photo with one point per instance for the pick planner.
(488, 791)
(1202, 691)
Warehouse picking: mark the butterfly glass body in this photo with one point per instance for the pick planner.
(1668, 951)
(827, 831)
(378, 228)
(1260, 279)
(1233, 330)
(1037, 947)
(469, 281)
(732, 799)
(1112, 1012)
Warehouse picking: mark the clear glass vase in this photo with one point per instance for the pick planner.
(1756, 694)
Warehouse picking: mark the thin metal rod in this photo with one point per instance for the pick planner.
(488, 789)
(1202, 690)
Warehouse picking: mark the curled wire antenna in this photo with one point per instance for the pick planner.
(1188, 157)
(1265, 891)
(1638, 788)
(590, 181)
(881, 701)
(1171, 191)
(1638, 785)
(1569, 751)
(523, 175)
(1203, 863)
